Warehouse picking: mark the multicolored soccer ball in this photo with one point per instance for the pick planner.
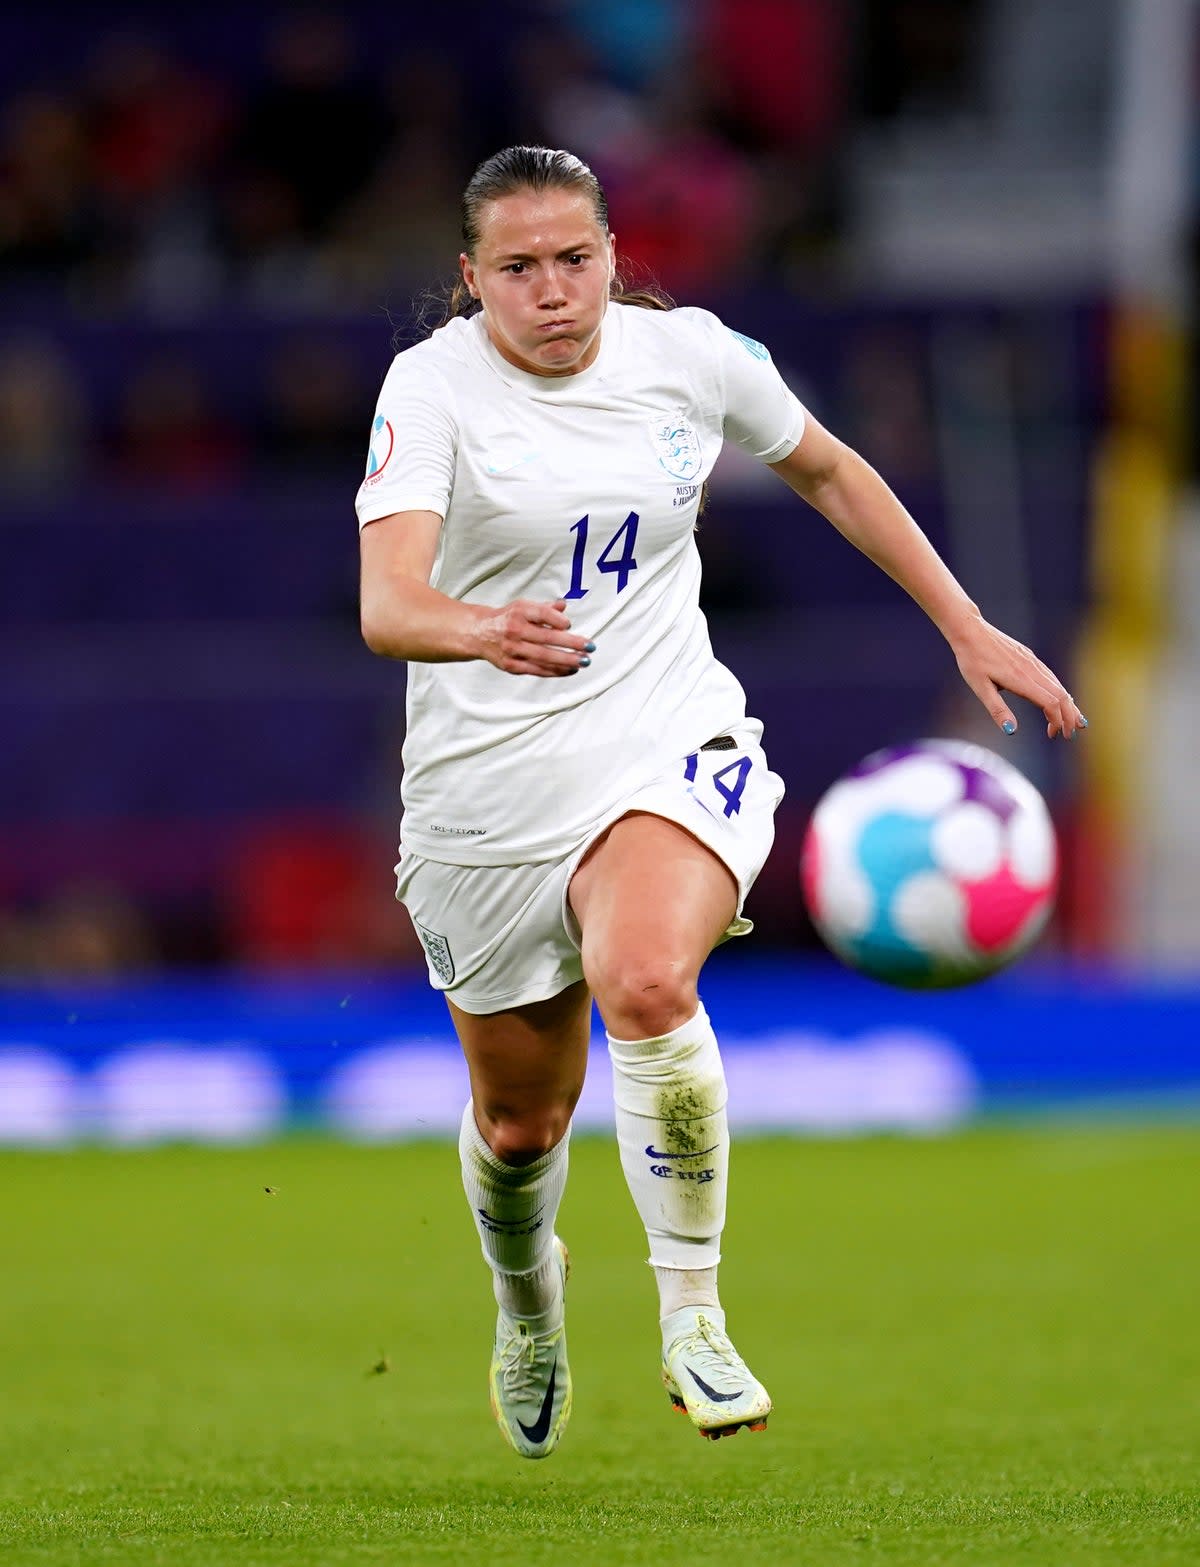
(930, 865)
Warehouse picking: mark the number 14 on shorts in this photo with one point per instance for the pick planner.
(731, 793)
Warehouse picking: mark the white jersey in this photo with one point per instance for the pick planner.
(583, 487)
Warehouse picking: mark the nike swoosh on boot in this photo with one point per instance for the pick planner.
(711, 1392)
(540, 1429)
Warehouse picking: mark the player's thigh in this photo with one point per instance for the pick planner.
(651, 901)
(528, 1062)
(666, 881)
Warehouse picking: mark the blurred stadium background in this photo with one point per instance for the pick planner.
(967, 230)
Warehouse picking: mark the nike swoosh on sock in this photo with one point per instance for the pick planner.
(653, 1152)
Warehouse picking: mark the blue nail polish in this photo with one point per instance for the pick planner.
(1082, 721)
(589, 647)
(584, 662)
(1009, 727)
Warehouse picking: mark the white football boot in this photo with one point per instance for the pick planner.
(530, 1379)
(705, 1376)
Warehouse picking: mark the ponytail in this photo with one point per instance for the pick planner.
(648, 297)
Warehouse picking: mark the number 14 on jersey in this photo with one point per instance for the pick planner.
(608, 560)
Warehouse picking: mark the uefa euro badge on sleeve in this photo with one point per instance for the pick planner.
(382, 441)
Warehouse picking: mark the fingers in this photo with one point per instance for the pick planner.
(1000, 666)
(1058, 707)
(551, 619)
(523, 666)
(558, 648)
(527, 638)
(993, 699)
(544, 614)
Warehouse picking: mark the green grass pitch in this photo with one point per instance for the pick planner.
(982, 1349)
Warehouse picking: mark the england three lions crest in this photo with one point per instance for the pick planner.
(677, 446)
(437, 950)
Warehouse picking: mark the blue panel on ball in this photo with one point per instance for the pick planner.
(893, 847)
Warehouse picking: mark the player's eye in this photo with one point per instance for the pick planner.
(516, 267)
(576, 261)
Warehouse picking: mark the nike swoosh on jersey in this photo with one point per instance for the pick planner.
(709, 1392)
(501, 463)
(540, 1429)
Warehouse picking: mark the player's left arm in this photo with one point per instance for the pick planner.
(847, 490)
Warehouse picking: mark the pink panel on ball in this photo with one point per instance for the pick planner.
(810, 871)
(999, 906)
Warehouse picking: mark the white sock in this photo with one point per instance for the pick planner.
(674, 1140)
(515, 1208)
(679, 1287)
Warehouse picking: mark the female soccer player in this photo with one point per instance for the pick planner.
(586, 803)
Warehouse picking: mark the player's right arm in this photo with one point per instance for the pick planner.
(403, 617)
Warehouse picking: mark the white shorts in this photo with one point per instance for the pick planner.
(502, 936)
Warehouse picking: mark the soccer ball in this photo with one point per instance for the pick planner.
(930, 865)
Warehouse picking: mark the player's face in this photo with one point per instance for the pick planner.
(542, 268)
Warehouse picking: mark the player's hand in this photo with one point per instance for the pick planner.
(992, 663)
(525, 638)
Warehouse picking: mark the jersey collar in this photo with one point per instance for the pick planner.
(553, 388)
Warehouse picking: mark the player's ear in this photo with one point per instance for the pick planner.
(468, 273)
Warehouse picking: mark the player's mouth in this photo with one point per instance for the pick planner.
(555, 326)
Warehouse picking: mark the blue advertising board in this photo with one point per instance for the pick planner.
(809, 1048)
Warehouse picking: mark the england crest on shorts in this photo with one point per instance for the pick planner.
(437, 950)
(677, 446)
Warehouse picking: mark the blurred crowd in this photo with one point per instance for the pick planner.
(331, 172)
(168, 426)
(289, 893)
(308, 164)
(320, 163)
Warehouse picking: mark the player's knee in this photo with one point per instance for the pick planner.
(640, 1000)
(520, 1140)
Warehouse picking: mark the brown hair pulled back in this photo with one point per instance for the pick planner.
(535, 169)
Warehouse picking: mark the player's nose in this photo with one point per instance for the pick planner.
(553, 293)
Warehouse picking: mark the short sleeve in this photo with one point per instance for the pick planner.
(410, 463)
(761, 413)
